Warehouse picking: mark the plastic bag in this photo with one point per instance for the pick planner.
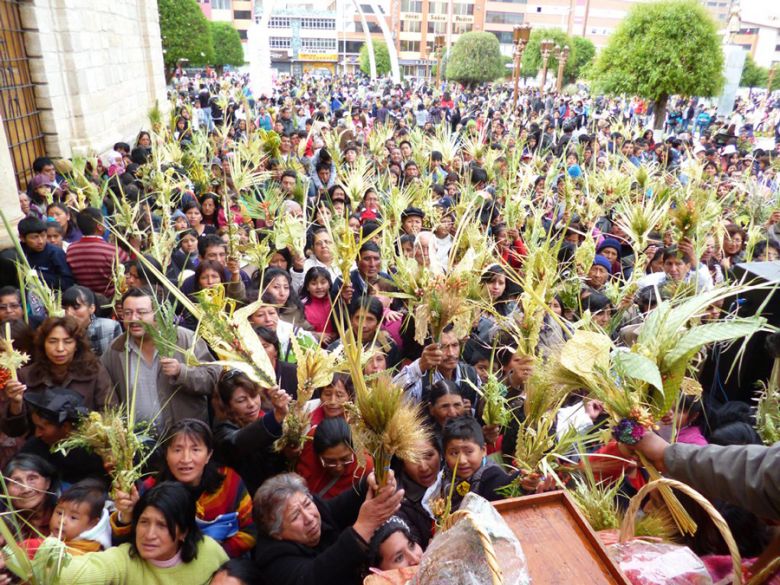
(457, 555)
(650, 563)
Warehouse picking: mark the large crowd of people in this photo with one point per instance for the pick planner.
(317, 205)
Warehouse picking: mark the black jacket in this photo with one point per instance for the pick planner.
(249, 450)
(338, 559)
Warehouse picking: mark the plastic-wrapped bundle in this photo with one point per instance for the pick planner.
(478, 548)
(648, 563)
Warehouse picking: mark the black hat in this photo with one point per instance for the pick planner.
(57, 404)
(412, 212)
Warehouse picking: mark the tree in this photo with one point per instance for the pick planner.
(582, 57)
(475, 58)
(753, 75)
(381, 55)
(227, 44)
(532, 56)
(185, 33)
(662, 49)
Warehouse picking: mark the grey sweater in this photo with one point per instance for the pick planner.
(743, 475)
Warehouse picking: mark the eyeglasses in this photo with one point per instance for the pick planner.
(141, 313)
(10, 307)
(230, 374)
(338, 462)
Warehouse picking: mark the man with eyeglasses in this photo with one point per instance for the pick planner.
(10, 304)
(166, 388)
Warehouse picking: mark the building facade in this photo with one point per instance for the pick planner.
(76, 76)
(237, 12)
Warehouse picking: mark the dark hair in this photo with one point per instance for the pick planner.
(137, 293)
(394, 524)
(84, 361)
(463, 428)
(174, 501)
(762, 246)
(596, 302)
(11, 290)
(369, 247)
(232, 380)
(330, 433)
(268, 276)
(198, 430)
(269, 337)
(191, 205)
(40, 162)
(209, 241)
(442, 388)
(245, 570)
(31, 225)
(208, 265)
(284, 253)
(78, 295)
(88, 220)
(88, 491)
(214, 198)
(22, 336)
(314, 273)
(369, 304)
(675, 252)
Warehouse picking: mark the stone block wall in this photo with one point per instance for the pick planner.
(98, 69)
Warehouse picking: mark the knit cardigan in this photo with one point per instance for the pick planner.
(230, 497)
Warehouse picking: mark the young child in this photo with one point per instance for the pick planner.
(466, 454)
(317, 304)
(80, 520)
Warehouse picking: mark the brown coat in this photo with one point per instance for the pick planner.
(185, 396)
(95, 386)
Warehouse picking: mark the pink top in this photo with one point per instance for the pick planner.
(393, 329)
(317, 313)
(691, 436)
(172, 562)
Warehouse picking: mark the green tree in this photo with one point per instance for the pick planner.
(662, 49)
(532, 56)
(185, 33)
(475, 58)
(753, 75)
(227, 44)
(583, 53)
(381, 55)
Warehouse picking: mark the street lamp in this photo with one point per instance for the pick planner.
(561, 64)
(520, 36)
(438, 43)
(546, 47)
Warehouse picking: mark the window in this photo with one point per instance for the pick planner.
(504, 37)
(462, 9)
(504, 18)
(242, 34)
(411, 6)
(538, 8)
(512, 1)
(367, 8)
(437, 7)
(350, 46)
(279, 42)
(372, 27)
(318, 23)
(410, 46)
(411, 26)
(437, 28)
(318, 45)
(242, 15)
(221, 4)
(279, 22)
(459, 28)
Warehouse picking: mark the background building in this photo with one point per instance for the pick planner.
(237, 12)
